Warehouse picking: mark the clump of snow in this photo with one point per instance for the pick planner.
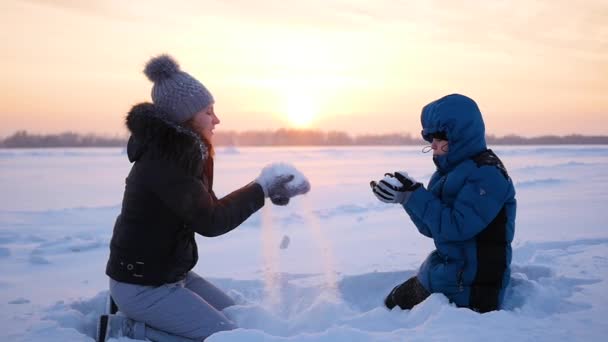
(392, 181)
(299, 183)
(284, 242)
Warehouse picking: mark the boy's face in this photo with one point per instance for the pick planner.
(439, 146)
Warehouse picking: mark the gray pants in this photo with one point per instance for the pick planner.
(189, 310)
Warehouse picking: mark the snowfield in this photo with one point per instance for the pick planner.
(318, 269)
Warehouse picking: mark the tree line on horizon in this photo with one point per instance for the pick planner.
(285, 137)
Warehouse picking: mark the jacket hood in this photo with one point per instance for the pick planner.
(153, 135)
(460, 119)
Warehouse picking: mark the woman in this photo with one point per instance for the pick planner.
(168, 198)
(468, 210)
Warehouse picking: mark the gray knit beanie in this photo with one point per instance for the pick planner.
(175, 92)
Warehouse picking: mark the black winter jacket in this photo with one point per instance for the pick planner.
(168, 197)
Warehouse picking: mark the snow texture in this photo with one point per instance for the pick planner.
(270, 173)
(393, 181)
(58, 206)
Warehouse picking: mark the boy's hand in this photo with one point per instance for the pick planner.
(395, 188)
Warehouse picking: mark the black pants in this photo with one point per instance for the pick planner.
(407, 295)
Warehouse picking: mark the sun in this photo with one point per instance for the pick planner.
(300, 110)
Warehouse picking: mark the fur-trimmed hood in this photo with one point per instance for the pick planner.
(154, 135)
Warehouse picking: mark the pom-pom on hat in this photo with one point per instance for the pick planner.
(179, 95)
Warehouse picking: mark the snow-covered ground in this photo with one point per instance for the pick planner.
(318, 269)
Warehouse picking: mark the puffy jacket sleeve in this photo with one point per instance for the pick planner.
(476, 205)
(198, 207)
(213, 217)
(422, 228)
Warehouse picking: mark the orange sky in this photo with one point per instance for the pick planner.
(534, 67)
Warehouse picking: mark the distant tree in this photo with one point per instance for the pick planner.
(228, 138)
(68, 139)
(387, 139)
(284, 137)
(338, 139)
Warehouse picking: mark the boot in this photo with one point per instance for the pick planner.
(407, 295)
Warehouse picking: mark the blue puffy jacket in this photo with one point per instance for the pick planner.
(468, 210)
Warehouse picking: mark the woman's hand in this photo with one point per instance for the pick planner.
(281, 182)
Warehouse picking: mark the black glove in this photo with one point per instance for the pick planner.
(281, 188)
(408, 182)
(394, 188)
(278, 192)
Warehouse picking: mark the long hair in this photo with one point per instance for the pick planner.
(189, 124)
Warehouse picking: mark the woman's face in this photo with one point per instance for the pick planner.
(439, 146)
(204, 122)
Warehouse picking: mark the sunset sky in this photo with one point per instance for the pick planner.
(360, 66)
